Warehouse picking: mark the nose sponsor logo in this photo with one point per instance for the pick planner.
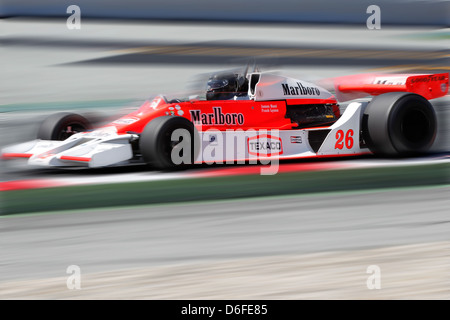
(126, 120)
(265, 145)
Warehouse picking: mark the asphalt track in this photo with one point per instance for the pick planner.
(43, 246)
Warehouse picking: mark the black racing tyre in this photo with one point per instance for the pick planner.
(399, 124)
(156, 143)
(61, 126)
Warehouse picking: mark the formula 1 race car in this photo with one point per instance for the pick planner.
(251, 116)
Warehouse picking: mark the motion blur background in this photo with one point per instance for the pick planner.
(299, 246)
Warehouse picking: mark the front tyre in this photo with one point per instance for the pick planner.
(169, 141)
(61, 126)
(399, 124)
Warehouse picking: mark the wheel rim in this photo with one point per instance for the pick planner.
(415, 127)
(70, 129)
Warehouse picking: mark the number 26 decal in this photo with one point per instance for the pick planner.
(340, 139)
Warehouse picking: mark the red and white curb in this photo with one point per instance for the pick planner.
(29, 184)
(232, 170)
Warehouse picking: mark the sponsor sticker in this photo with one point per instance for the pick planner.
(299, 89)
(126, 120)
(428, 78)
(265, 145)
(175, 111)
(269, 108)
(390, 81)
(217, 117)
(296, 139)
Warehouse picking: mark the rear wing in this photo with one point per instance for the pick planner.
(430, 86)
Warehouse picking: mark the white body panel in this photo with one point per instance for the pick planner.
(349, 124)
(275, 87)
(98, 148)
(221, 146)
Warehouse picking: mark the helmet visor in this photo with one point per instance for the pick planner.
(217, 84)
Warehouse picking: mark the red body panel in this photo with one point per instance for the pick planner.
(250, 114)
(430, 86)
(220, 115)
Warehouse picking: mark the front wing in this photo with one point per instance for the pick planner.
(90, 149)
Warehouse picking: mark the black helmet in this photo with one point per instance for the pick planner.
(221, 86)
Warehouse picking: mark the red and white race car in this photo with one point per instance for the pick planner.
(254, 116)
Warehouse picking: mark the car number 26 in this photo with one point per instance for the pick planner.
(341, 142)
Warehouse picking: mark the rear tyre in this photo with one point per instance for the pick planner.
(61, 126)
(399, 124)
(157, 147)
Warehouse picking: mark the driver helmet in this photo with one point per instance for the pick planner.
(221, 86)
